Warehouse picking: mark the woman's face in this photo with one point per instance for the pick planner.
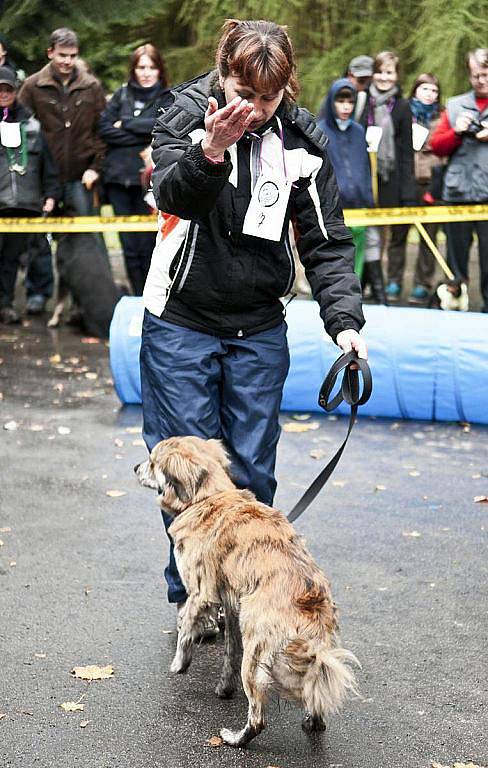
(146, 72)
(386, 78)
(7, 95)
(427, 93)
(265, 104)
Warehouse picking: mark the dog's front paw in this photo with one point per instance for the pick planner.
(180, 663)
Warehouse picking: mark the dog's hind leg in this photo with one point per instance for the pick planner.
(227, 684)
(256, 681)
(188, 633)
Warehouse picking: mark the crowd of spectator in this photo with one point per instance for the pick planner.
(65, 147)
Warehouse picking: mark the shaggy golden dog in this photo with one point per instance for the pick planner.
(231, 550)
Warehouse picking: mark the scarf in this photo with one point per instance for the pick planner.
(423, 113)
(381, 105)
(141, 93)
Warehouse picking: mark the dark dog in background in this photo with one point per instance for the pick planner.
(231, 550)
(84, 273)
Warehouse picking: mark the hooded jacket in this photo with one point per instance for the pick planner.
(347, 151)
(69, 118)
(205, 273)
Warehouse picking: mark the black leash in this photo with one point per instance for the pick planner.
(350, 393)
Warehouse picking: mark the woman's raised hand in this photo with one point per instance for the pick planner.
(225, 126)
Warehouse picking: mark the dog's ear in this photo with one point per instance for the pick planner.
(184, 474)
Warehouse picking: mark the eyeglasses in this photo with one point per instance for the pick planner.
(479, 76)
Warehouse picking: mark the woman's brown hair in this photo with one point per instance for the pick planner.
(148, 49)
(259, 53)
(385, 57)
(426, 77)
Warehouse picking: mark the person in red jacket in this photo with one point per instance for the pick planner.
(462, 135)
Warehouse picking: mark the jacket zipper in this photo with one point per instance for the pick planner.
(292, 265)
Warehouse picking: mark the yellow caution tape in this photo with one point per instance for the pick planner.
(354, 217)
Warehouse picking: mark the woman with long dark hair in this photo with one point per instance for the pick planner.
(126, 126)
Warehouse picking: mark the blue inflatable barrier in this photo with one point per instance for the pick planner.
(426, 364)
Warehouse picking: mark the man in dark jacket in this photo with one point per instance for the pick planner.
(68, 102)
(28, 183)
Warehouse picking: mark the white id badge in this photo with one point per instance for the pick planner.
(373, 137)
(419, 136)
(10, 134)
(266, 212)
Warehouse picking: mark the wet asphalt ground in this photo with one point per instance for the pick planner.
(397, 531)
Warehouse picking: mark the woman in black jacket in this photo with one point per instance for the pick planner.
(235, 160)
(28, 183)
(396, 177)
(126, 125)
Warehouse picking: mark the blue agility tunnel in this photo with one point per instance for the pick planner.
(426, 364)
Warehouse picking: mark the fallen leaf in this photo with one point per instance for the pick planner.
(87, 590)
(84, 723)
(27, 712)
(301, 416)
(2, 543)
(2, 715)
(36, 427)
(13, 563)
(317, 453)
(412, 534)
(133, 430)
(58, 387)
(139, 442)
(167, 631)
(93, 672)
(10, 426)
(115, 494)
(339, 483)
(91, 375)
(72, 706)
(118, 442)
(40, 655)
(476, 476)
(64, 430)
(300, 426)
(5, 529)
(481, 499)
(380, 487)
(215, 741)
(90, 340)
(55, 359)
(414, 473)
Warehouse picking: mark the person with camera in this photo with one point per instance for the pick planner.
(462, 135)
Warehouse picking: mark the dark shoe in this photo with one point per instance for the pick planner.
(35, 304)
(375, 274)
(9, 316)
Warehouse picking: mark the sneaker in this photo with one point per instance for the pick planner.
(208, 628)
(393, 291)
(9, 316)
(35, 304)
(419, 295)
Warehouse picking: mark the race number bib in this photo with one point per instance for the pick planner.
(265, 215)
(10, 134)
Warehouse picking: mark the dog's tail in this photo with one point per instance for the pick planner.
(318, 676)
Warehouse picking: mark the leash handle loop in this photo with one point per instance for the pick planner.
(349, 392)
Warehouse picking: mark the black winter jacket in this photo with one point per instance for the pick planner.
(28, 191)
(400, 189)
(123, 162)
(205, 273)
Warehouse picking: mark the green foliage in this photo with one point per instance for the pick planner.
(428, 35)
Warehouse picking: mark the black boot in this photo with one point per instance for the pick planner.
(375, 277)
